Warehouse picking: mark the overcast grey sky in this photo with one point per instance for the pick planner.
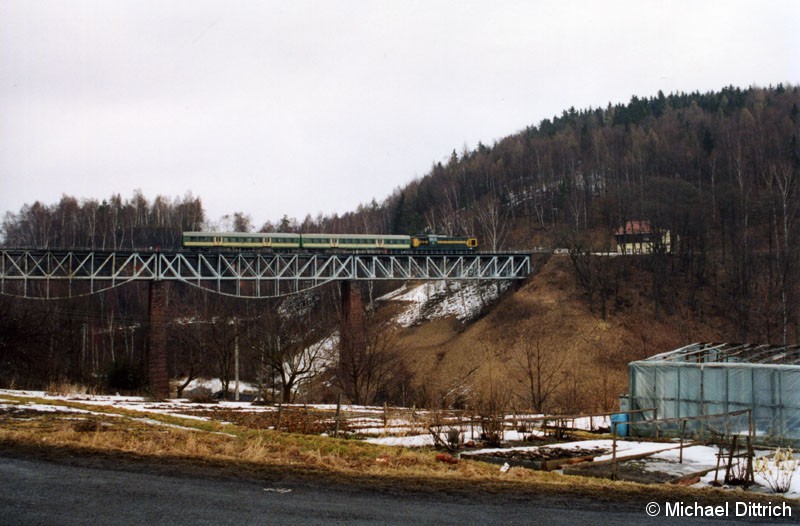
(295, 107)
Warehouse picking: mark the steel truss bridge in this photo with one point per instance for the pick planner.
(49, 274)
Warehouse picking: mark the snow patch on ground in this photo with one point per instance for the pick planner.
(214, 385)
(440, 299)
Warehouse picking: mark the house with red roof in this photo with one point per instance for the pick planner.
(639, 237)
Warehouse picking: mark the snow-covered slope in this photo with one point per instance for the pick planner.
(440, 299)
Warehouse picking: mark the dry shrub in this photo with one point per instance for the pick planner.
(401, 460)
(87, 426)
(446, 458)
(779, 471)
(192, 445)
(492, 405)
(445, 432)
(256, 449)
(201, 397)
(301, 421)
(64, 388)
(315, 457)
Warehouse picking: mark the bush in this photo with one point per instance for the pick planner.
(125, 376)
(779, 471)
(64, 388)
(202, 396)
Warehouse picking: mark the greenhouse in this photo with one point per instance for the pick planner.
(719, 389)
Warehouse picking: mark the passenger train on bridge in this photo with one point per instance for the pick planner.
(329, 242)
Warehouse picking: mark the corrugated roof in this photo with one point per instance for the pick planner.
(710, 352)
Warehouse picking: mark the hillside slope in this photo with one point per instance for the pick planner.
(540, 347)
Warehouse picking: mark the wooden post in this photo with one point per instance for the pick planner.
(472, 427)
(614, 451)
(734, 447)
(236, 359)
(683, 430)
(305, 407)
(655, 421)
(338, 412)
(749, 474)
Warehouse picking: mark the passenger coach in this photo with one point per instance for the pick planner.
(359, 242)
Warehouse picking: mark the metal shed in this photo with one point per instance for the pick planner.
(721, 378)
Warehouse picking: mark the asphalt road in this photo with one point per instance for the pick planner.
(40, 492)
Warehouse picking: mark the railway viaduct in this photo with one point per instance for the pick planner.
(52, 274)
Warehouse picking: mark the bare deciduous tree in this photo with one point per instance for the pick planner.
(493, 220)
(537, 365)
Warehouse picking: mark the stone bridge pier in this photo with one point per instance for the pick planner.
(157, 372)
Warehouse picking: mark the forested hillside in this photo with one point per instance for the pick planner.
(720, 171)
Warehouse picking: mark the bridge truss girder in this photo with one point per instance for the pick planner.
(54, 274)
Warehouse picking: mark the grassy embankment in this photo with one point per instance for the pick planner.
(167, 444)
